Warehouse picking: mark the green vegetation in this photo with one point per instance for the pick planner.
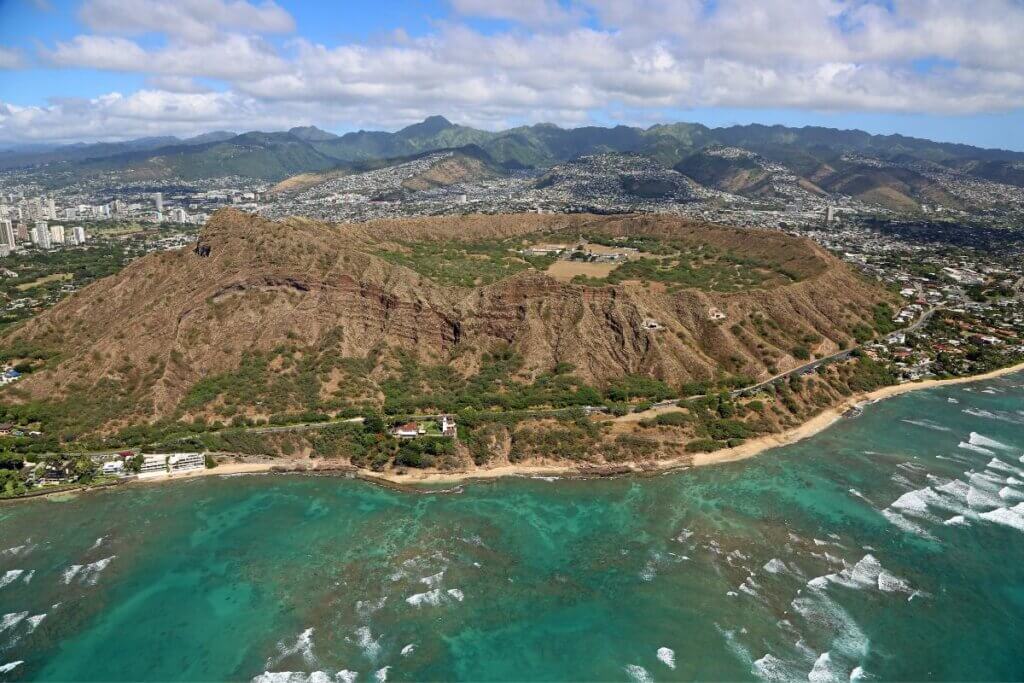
(43, 277)
(464, 264)
(681, 265)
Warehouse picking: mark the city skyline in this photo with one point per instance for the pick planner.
(95, 70)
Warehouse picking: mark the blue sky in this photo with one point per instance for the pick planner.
(110, 69)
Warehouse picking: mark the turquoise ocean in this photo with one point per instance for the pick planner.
(889, 547)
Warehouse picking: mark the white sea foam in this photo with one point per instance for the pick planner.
(17, 550)
(928, 424)
(984, 492)
(1011, 517)
(381, 675)
(408, 649)
(827, 617)
(957, 520)
(303, 646)
(10, 666)
(901, 522)
(367, 643)
(914, 502)
(456, 593)
(775, 566)
(86, 574)
(857, 494)
(12, 619)
(1000, 466)
(735, 646)
(1001, 416)
(858, 671)
(667, 657)
(771, 668)
(70, 573)
(432, 598)
(295, 677)
(91, 572)
(982, 440)
(968, 446)
(825, 669)
(34, 621)
(367, 607)
(889, 583)
(10, 576)
(433, 579)
(952, 400)
(97, 543)
(28, 577)
(346, 676)
(638, 674)
(1010, 494)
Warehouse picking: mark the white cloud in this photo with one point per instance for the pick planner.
(232, 57)
(197, 20)
(559, 61)
(11, 58)
(528, 12)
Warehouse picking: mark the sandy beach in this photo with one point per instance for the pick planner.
(752, 447)
(749, 449)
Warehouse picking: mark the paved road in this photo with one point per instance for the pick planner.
(805, 369)
(810, 367)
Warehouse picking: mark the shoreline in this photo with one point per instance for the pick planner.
(751, 448)
(413, 480)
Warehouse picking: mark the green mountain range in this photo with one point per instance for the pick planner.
(825, 156)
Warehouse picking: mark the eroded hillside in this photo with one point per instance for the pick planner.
(263, 318)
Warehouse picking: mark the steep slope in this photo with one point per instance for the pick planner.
(412, 173)
(136, 343)
(742, 172)
(611, 175)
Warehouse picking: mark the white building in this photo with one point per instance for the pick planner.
(78, 235)
(165, 464)
(7, 233)
(113, 467)
(56, 234)
(40, 235)
(158, 201)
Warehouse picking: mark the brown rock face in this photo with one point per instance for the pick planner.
(172, 318)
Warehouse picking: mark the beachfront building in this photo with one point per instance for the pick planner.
(163, 464)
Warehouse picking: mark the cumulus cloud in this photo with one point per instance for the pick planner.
(560, 61)
(232, 57)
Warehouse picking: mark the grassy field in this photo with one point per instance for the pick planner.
(46, 279)
(679, 266)
(463, 264)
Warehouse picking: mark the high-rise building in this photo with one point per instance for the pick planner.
(41, 235)
(51, 208)
(158, 200)
(57, 234)
(7, 233)
(79, 234)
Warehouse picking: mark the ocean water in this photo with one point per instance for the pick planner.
(889, 547)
